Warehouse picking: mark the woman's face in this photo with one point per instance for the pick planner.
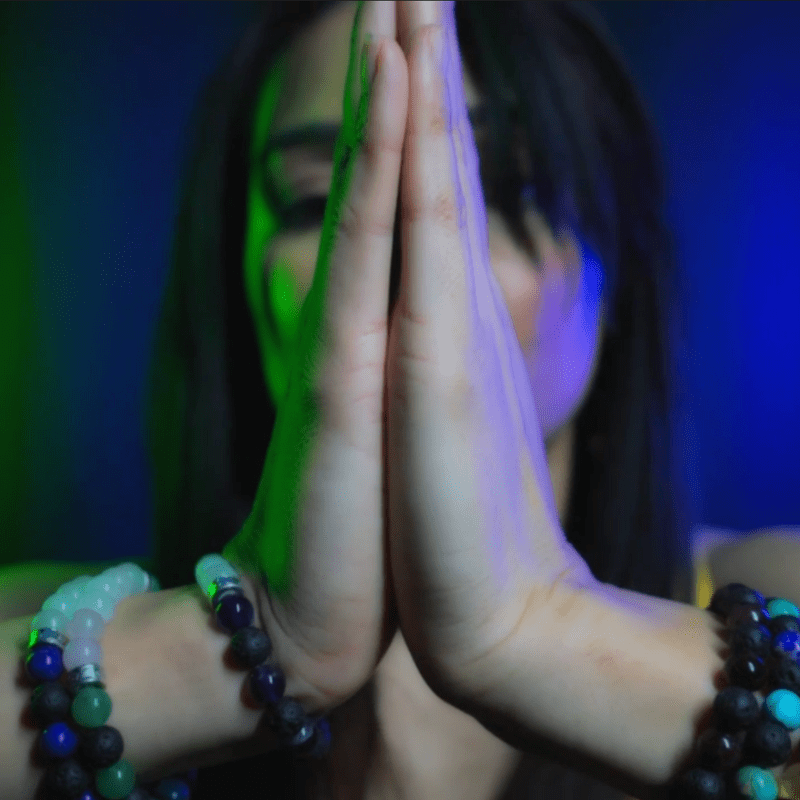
(555, 305)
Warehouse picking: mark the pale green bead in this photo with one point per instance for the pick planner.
(757, 783)
(784, 706)
(211, 567)
(128, 577)
(117, 781)
(63, 601)
(779, 606)
(91, 707)
(97, 597)
(51, 618)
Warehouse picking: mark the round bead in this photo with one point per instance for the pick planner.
(50, 702)
(98, 596)
(757, 783)
(91, 707)
(82, 650)
(67, 778)
(86, 623)
(102, 746)
(726, 597)
(289, 718)
(138, 793)
(698, 784)
(718, 750)
(250, 646)
(234, 612)
(751, 637)
(172, 789)
(784, 706)
(779, 606)
(64, 600)
(785, 674)
(322, 738)
(787, 645)
(44, 663)
(747, 670)
(735, 708)
(58, 740)
(267, 684)
(303, 740)
(767, 744)
(129, 578)
(784, 623)
(52, 618)
(117, 781)
(749, 613)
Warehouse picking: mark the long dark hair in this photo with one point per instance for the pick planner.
(553, 80)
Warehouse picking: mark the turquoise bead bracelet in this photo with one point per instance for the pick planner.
(765, 653)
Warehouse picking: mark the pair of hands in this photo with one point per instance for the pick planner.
(406, 482)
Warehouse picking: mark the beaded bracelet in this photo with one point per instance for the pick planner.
(64, 639)
(765, 652)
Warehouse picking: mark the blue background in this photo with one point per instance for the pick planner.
(98, 98)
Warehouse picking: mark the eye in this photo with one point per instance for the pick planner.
(305, 213)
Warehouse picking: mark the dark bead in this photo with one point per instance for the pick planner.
(234, 612)
(250, 646)
(747, 670)
(289, 718)
(67, 778)
(319, 744)
(783, 622)
(767, 744)
(50, 702)
(58, 740)
(322, 738)
(787, 645)
(752, 637)
(749, 613)
(102, 746)
(718, 750)
(44, 663)
(172, 789)
(302, 741)
(698, 784)
(139, 793)
(785, 674)
(734, 709)
(726, 597)
(267, 683)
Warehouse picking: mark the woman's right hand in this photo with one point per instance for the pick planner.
(317, 534)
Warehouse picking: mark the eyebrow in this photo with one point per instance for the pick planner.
(325, 133)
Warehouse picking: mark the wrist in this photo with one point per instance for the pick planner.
(178, 699)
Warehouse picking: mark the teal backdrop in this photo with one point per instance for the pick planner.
(94, 103)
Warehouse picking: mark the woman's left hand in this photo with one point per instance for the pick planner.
(475, 534)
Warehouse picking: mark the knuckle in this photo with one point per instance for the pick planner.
(356, 221)
(441, 209)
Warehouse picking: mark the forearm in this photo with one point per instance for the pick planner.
(175, 701)
(612, 683)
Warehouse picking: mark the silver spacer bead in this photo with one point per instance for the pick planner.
(49, 636)
(226, 586)
(85, 675)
